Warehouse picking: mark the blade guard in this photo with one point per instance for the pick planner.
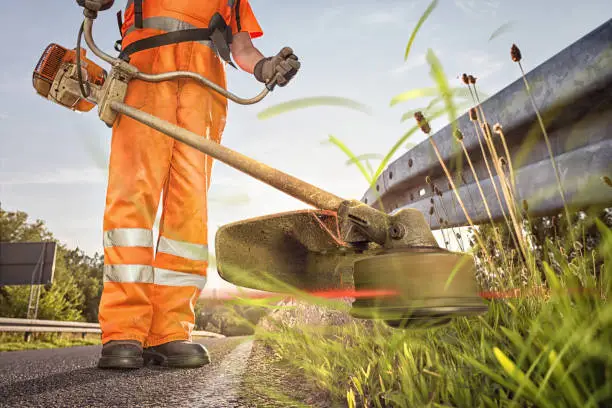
(301, 249)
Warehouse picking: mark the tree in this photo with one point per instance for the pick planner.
(75, 291)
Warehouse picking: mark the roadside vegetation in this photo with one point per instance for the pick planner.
(546, 338)
(15, 342)
(74, 294)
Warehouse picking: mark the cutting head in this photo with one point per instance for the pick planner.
(304, 250)
(433, 286)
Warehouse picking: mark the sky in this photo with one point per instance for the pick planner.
(53, 161)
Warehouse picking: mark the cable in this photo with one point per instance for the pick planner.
(84, 92)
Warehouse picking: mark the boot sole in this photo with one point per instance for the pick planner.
(175, 362)
(121, 362)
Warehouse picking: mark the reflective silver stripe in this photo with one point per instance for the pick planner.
(167, 24)
(172, 278)
(187, 250)
(128, 237)
(128, 273)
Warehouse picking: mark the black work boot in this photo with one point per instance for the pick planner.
(177, 354)
(121, 354)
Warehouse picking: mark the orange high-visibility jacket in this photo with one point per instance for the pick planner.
(150, 297)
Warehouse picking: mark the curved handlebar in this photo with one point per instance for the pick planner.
(87, 29)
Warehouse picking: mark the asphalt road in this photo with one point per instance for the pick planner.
(69, 378)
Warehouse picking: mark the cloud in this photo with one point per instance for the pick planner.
(328, 17)
(59, 176)
(478, 6)
(480, 63)
(381, 17)
(4, 115)
(412, 63)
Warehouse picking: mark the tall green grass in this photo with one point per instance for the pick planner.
(547, 343)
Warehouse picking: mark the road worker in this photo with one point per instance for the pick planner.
(147, 307)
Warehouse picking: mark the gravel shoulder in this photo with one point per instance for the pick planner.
(269, 382)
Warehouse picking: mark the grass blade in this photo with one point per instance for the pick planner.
(351, 156)
(504, 28)
(364, 157)
(439, 77)
(424, 17)
(315, 101)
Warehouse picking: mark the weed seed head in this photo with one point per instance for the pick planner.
(502, 161)
(607, 180)
(515, 53)
(422, 122)
(473, 115)
(458, 135)
(525, 206)
(472, 79)
(431, 210)
(409, 162)
(465, 79)
(497, 128)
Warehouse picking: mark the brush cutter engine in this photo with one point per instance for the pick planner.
(56, 78)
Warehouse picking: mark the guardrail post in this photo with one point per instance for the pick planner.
(27, 336)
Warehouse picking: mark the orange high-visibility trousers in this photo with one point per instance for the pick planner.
(147, 297)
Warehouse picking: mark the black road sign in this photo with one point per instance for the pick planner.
(27, 263)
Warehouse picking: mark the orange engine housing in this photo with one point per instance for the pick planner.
(52, 60)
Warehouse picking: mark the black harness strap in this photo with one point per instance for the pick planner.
(237, 12)
(174, 37)
(138, 13)
(218, 32)
(120, 24)
(119, 21)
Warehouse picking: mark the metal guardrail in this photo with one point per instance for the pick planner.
(573, 91)
(52, 326)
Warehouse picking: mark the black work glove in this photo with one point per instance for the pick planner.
(283, 66)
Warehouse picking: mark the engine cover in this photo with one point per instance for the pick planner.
(56, 73)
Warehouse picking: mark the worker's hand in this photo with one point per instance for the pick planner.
(283, 66)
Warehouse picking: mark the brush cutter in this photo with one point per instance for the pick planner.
(341, 244)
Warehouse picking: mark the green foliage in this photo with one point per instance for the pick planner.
(544, 342)
(14, 342)
(228, 317)
(546, 350)
(315, 101)
(75, 292)
(424, 17)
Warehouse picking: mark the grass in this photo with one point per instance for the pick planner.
(15, 342)
(545, 341)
